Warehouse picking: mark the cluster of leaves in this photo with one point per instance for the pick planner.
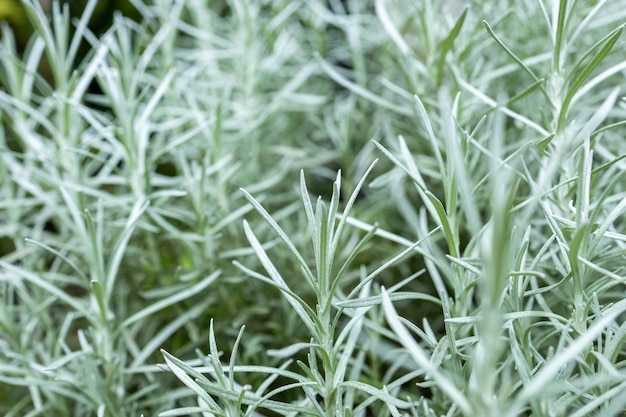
(150, 209)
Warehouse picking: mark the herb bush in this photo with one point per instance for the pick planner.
(311, 208)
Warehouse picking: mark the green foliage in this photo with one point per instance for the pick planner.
(454, 245)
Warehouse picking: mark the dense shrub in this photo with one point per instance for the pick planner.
(261, 208)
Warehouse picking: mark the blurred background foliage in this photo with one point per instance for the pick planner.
(12, 13)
